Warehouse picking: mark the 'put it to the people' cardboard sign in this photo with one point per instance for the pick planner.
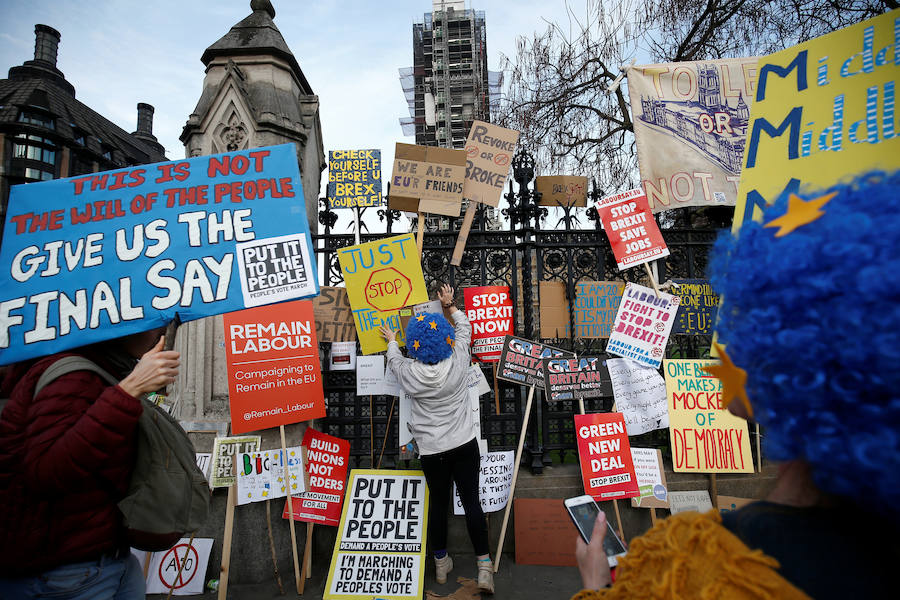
(274, 375)
(490, 311)
(632, 231)
(605, 454)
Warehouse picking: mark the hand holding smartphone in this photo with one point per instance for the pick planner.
(584, 512)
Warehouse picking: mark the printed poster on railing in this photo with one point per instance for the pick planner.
(633, 234)
(490, 312)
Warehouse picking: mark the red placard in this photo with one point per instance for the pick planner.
(326, 463)
(490, 311)
(632, 231)
(605, 455)
(274, 376)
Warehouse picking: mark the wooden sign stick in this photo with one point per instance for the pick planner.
(307, 557)
(387, 432)
(463, 235)
(272, 543)
(652, 279)
(356, 224)
(758, 451)
(226, 542)
(512, 485)
(420, 234)
(497, 391)
(290, 500)
(714, 490)
(371, 433)
(653, 516)
(181, 565)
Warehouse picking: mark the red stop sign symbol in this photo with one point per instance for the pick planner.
(388, 289)
(471, 151)
(169, 565)
(501, 159)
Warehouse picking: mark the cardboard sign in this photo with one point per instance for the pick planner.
(354, 178)
(642, 325)
(494, 479)
(640, 394)
(520, 361)
(596, 305)
(561, 190)
(191, 555)
(334, 319)
(824, 110)
(571, 378)
(327, 458)
(705, 437)
(260, 475)
(382, 277)
(105, 255)
(632, 231)
(651, 477)
(342, 356)
(697, 307)
(554, 310)
(544, 532)
(489, 152)
(437, 180)
(696, 501)
(225, 451)
(731, 503)
(477, 381)
(370, 375)
(690, 124)
(490, 311)
(274, 374)
(605, 456)
(380, 548)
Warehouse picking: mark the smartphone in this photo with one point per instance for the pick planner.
(584, 512)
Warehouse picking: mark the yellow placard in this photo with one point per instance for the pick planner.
(824, 111)
(705, 438)
(379, 551)
(381, 278)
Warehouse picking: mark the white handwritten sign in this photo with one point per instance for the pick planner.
(640, 394)
(260, 475)
(370, 375)
(697, 501)
(494, 479)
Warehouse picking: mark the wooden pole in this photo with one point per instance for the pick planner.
(652, 279)
(272, 542)
(653, 516)
(420, 234)
(147, 558)
(226, 542)
(387, 431)
(496, 389)
(758, 451)
(356, 224)
(307, 557)
(714, 490)
(512, 485)
(180, 565)
(371, 432)
(290, 501)
(463, 235)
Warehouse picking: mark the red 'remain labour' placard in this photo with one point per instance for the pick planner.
(605, 455)
(274, 376)
(632, 231)
(490, 311)
(326, 462)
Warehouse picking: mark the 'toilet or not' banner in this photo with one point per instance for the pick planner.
(354, 178)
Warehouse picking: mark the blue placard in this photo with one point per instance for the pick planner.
(354, 178)
(697, 309)
(103, 255)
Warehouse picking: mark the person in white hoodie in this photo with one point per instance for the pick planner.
(441, 421)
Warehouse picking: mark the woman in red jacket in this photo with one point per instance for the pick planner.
(66, 456)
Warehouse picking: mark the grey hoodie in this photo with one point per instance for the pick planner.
(441, 414)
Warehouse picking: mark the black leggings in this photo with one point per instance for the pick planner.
(461, 465)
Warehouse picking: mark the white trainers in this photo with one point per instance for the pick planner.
(442, 566)
(486, 576)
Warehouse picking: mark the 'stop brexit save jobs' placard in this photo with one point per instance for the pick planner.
(102, 255)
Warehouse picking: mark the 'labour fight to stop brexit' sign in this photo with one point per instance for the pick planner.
(490, 311)
(605, 455)
(632, 231)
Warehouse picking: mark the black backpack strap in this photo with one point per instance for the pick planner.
(67, 365)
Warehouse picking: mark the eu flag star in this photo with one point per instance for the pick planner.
(433, 324)
(733, 380)
(799, 213)
(449, 341)
(416, 344)
(420, 318)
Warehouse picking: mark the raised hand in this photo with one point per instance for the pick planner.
(156, 369)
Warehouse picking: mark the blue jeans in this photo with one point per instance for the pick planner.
(104, 579)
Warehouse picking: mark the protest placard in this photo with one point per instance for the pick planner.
(695, 500)
(272, 357)
(342, 356)
(632, 231)
(605, 456)
(477, 381)
(705, 437)
(642, 325)
(651, 478)
(554, 310)
(181, 568)
(370, 375)
(104, 255)
(640, 394)
(561, 190)
(544, 533)
(814, 120)
(690, 124)
(697, 307)
(334, 319)
(573, 378)
(490, 311)
(408, 152)
(596, 305)
(494, 479)
(380, 547)
(520, 360)
(327, 458)
(489, 152)
(224, 458)
(436, 180)
(204, 463)
(260, 475)
(382, 277)
(354, 178)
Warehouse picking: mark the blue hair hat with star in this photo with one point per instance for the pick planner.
(430, 338)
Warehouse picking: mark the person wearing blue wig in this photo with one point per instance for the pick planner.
(810, 330)
(435, 377)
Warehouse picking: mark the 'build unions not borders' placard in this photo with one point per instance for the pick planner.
(380, 548)
(103, 255)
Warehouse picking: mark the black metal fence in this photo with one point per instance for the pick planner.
(520, 255)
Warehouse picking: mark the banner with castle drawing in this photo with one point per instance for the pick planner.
(690, 120)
